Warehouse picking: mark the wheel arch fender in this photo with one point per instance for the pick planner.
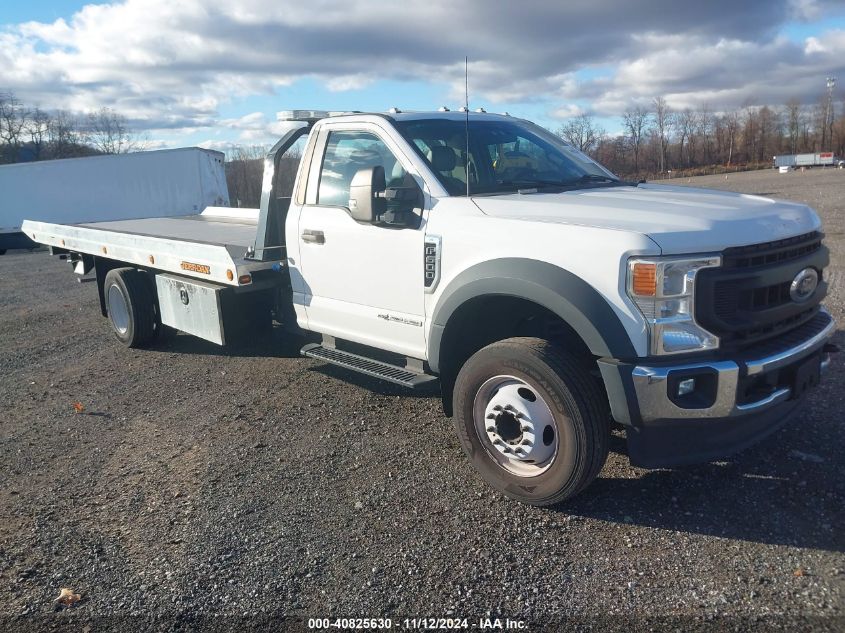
(561, 292)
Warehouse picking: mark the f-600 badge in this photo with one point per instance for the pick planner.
(397, 319)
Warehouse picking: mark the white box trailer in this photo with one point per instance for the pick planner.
(819, 159)
(164, 183)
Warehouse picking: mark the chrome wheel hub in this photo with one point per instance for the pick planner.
(118, 309)
(515, 425)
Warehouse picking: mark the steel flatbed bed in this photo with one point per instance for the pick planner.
(212, 246)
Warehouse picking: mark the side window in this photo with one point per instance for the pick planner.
(346, 153)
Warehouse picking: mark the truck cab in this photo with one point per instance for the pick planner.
(547, 297)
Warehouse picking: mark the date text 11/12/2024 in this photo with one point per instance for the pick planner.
(416, 623)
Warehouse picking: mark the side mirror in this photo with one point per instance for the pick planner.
(401, 202)
(365, 205)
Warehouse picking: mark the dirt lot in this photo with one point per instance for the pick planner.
(203, 489)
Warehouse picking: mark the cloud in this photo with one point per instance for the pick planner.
(568, 111)
(172, 65)
(810, 10)
(693, 72)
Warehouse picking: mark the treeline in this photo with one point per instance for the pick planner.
(655, 142)
(28, 133)
(245, 173)
(658, 142)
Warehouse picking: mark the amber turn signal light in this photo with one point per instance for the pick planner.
(644, 279)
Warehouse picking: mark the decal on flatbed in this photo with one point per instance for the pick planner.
(196, 268)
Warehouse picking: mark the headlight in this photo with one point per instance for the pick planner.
(664, 290)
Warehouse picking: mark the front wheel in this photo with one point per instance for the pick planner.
(532, 420)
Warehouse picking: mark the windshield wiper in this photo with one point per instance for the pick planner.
(586, 178)
(533, 185)
(596, 178)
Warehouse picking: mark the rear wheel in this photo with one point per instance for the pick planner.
(532, 420)
(131, 306)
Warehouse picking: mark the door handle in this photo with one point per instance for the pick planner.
(313, 237)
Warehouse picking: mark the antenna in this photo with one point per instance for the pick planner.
(466, 119)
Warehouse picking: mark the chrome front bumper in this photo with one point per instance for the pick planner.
(651, 383)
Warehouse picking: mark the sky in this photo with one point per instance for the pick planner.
(217, 72)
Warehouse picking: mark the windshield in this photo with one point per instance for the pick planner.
(504, 156)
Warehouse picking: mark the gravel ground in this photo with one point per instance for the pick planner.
(203, 489)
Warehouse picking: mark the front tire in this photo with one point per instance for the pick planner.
(532, 419)
(131, 306)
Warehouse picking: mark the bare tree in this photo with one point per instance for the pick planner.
(839, 135)
(244, 169)
(63, 135)
(581, 132)
(704, 130)
(769, 130)
(661, 125)
(108, 132)
(732, 124)
(635, 120)
(37, 127)
(750, 132)
(13, 119)
(686, 122)
(794, 119)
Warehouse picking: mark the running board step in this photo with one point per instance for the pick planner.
(368, 366)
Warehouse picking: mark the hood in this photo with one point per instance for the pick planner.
(678, 219)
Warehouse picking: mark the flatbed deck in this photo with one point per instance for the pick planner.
(211, 246)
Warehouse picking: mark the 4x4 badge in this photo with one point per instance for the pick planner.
(804, 285)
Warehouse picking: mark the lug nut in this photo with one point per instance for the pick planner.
(491, 429)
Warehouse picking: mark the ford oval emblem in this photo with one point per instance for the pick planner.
(804, 285)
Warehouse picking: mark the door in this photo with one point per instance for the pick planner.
(361, 282)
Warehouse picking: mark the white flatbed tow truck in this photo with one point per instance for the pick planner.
(546, 296)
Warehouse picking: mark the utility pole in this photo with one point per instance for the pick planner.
(827, 126)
